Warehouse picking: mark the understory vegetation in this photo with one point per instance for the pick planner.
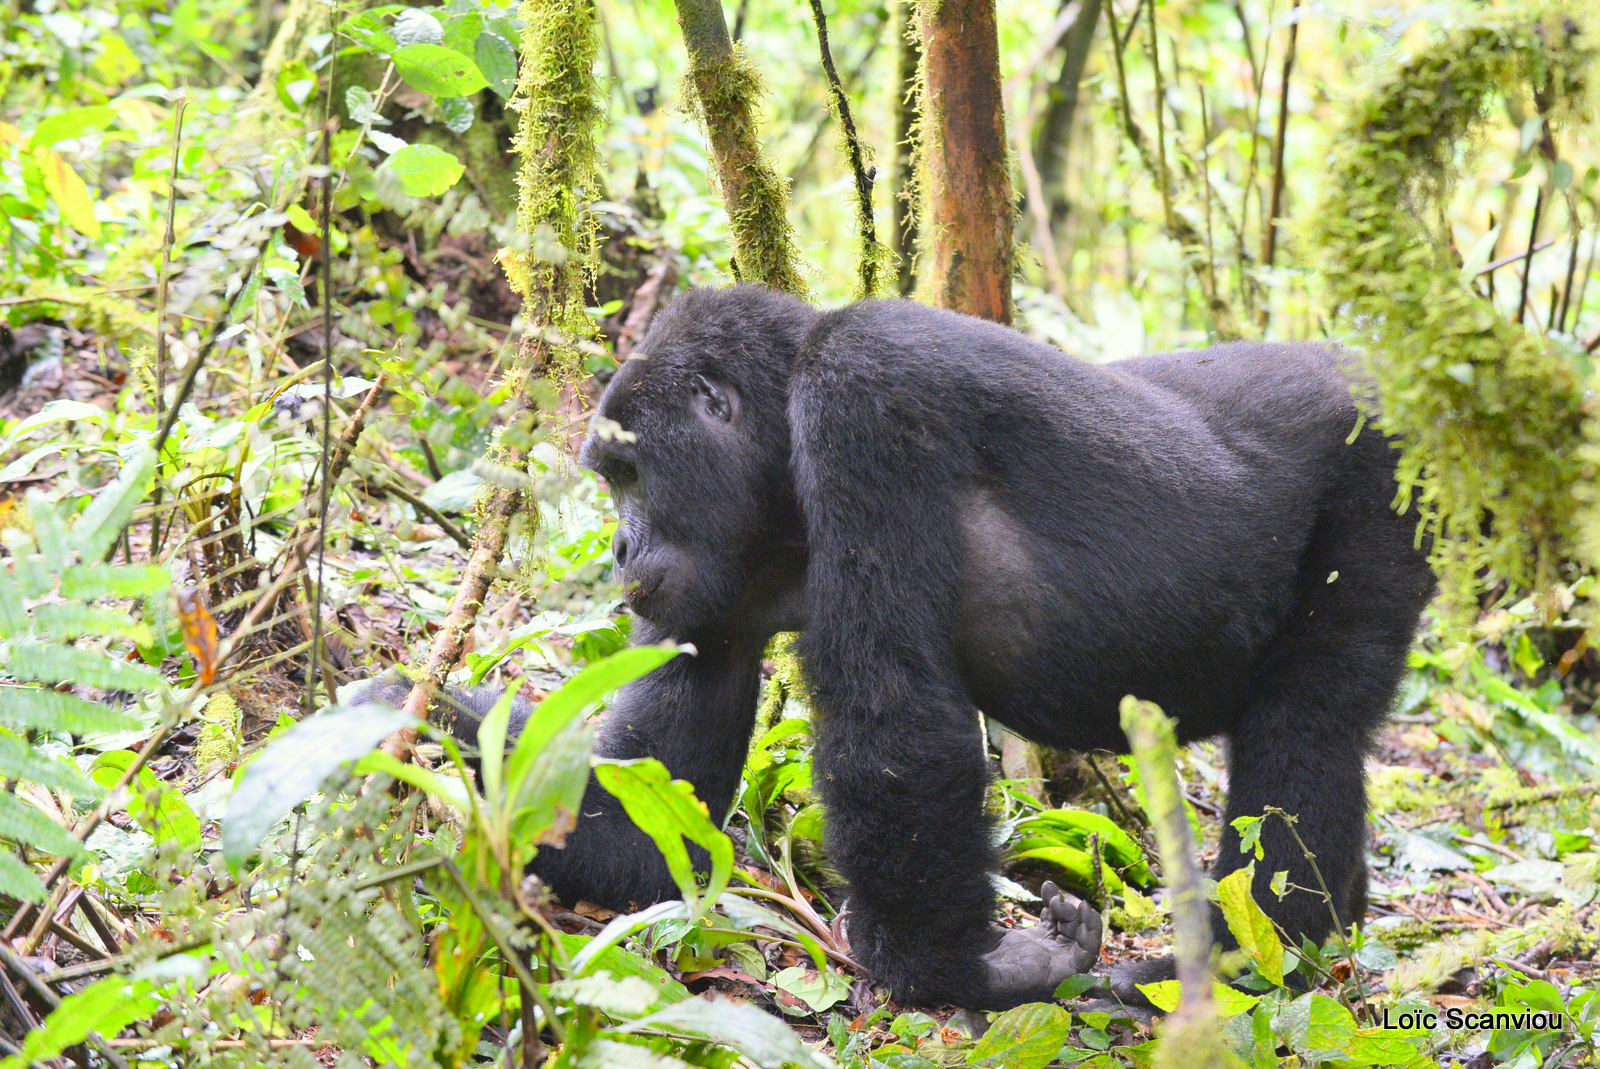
(302, 307)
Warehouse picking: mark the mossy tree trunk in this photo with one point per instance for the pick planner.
(561, 111)
(907, 98)
(724, 89)
(966, 180)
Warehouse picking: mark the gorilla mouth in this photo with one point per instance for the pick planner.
(637, 593)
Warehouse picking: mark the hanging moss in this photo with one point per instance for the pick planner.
(1489, 415)
(723, 88)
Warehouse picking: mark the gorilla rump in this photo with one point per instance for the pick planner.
(960, 519)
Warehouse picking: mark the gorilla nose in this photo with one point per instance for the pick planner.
(621, 548)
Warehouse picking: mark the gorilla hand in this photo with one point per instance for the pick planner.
(1030, 962)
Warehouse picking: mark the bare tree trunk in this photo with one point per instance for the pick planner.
(966, 176)
(725, 88)
(907, 105)
(1052, 147)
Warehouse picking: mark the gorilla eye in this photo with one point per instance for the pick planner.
(618, 472)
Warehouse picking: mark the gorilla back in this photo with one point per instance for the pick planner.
(958, 518)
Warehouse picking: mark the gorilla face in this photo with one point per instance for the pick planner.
(693, 441)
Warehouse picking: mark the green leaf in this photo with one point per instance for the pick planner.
(69, 192)
(23, 823)
(1166, 994)
(49, 710)
(447, 788)
(168, 818)
(497, 60)
(100, 525)
(438, 71)
(760, 1037)
(89, 581)
(18, 880)
(619, 962)
(550, 793)
(458, 113)
(294, 765)
(626, 996)
(619, 928)
(1073, 986)
(667, 810)
(106, 1006)
(34, 662)
(72, 123)
(424, 170)
(579, 694)
(1027, 1037)
(1316, 1024)
(1249, 924)
(57, 412)
(746, 914)
(818, 989)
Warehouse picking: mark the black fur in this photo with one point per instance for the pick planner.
(959, 518)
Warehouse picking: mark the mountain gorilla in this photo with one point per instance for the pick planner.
(960, 519)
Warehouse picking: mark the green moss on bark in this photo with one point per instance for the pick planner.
(1491, 417)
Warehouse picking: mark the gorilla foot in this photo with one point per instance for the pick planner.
(1029, 963)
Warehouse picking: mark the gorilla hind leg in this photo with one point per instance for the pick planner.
(1319, 694)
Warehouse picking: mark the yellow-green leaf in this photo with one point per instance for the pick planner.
(1249, 925)
(69, 192)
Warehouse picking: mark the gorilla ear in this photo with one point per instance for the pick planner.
(713, 400)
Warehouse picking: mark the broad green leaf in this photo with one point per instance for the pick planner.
(497, 61)
(437, 70)
(34, 662)
(106, 1007)
(18, 880)
(57, 412)
(619, 962)
(69, 192)
(100, 525)
(818, 989)
(576, 696)
(1073, 986)
(1077, 864)
(758, 1036)
(20, 761)
(74, 122)
(1027, 1037)
(294, 765)
(424, 170)
(1316, 1024)
(492, 739)
(619, 928)
(667, 810)
(1373, 1047)
(168, 818)
(1249, 924)
(1166, 994)
(550, 793)
(23, 823)
(48, 710)
(448, 788)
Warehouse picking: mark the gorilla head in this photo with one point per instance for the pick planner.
(692, 437)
